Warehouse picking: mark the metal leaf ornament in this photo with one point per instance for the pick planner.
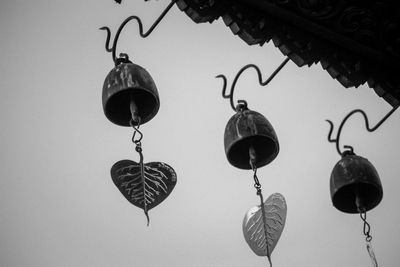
(144, 185)
(259, 234)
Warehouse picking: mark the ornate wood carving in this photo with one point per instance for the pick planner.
(356, 41)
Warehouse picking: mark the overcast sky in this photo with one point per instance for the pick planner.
(58, 204)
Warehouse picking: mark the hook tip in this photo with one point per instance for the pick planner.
(330, 123)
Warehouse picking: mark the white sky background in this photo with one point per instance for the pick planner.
(58, 204)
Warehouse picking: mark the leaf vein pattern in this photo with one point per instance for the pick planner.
(143, 190)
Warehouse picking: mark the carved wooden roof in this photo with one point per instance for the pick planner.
(356, 41)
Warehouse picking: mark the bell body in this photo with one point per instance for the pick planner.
(355, 185)
(125, 83)
(247, 130)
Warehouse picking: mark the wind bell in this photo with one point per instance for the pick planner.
(130, 98)
(251, 143)
(354, 184)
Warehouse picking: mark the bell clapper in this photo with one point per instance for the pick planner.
(257, 185)
(134, 111)
(366, 228)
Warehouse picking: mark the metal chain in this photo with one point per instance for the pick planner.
(135, 123)
(257, 185)
(367, 227)
(137, 141)
(368, 238)
(132, 122)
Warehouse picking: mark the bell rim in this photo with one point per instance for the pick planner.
(127, 91)
(353, 209)
(259, 164)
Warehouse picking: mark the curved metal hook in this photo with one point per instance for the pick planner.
(350, 148)
(107, 45)
(113, 48)
(260, 81)
(136, 130)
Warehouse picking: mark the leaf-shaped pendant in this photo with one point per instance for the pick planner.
(254, 229)
(144, 185)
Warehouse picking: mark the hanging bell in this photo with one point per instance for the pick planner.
(128, 84)
(247, 131)
(355, 185)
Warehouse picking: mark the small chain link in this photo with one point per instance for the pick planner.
(137, 141)
(368, 237)
(136, 130)
(367, 227)
(257, 184)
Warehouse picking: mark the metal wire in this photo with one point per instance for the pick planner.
(260, 81)
(368, 238)
(371, 254)
(135, 123)
(257, 185)
(136, 130)
(367, 227)
(369, 129)
(142, 34)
